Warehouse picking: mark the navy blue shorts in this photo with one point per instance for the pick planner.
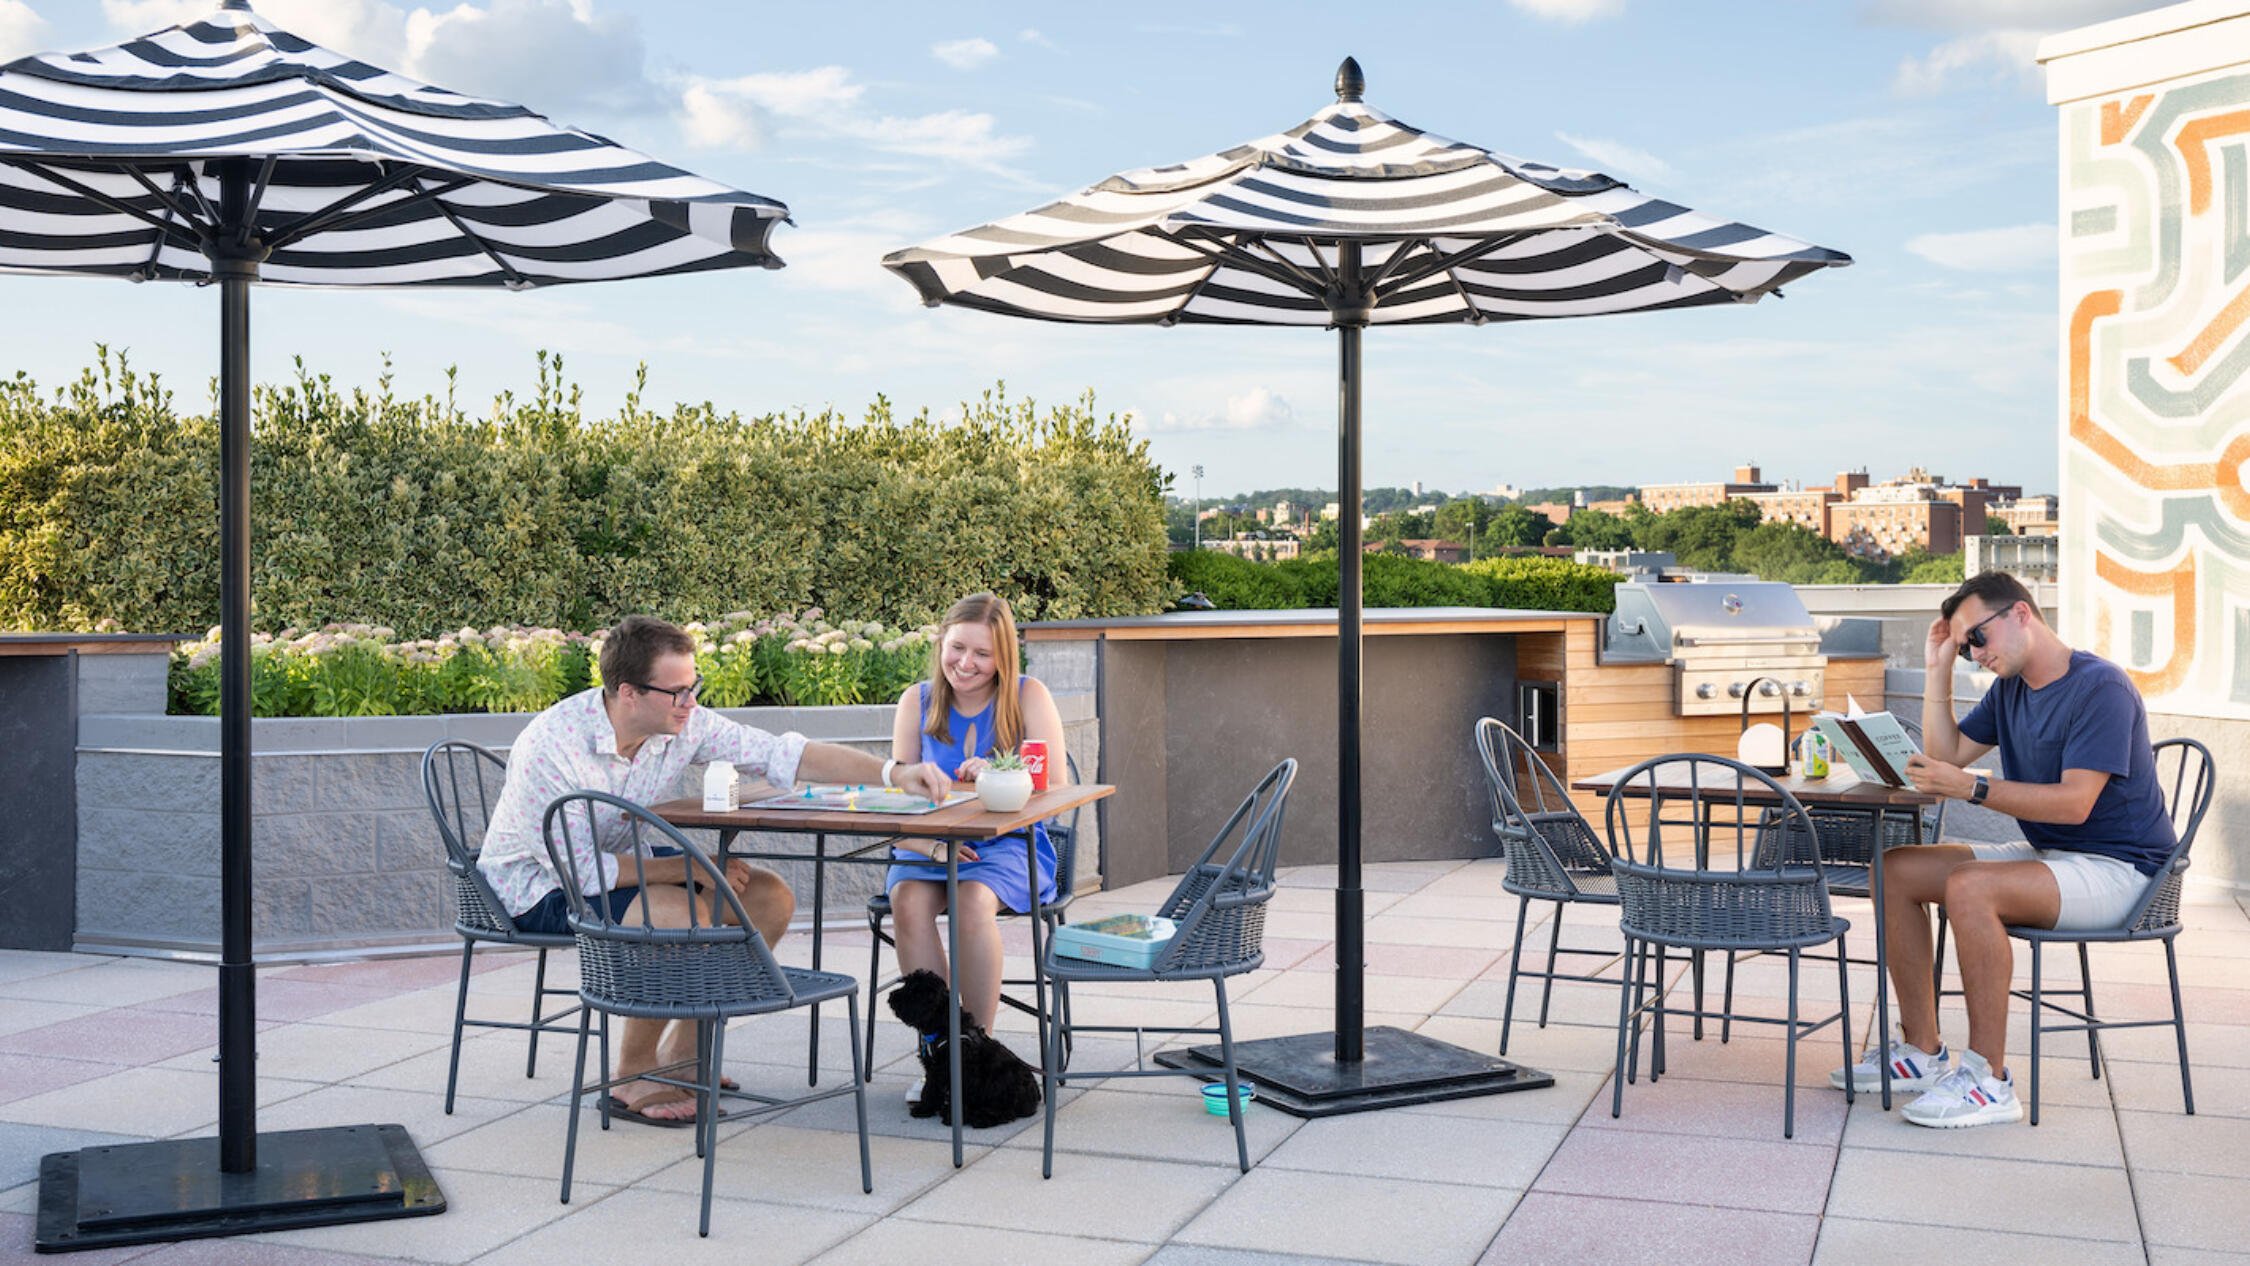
(551, 917)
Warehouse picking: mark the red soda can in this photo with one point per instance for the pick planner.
(1034, 753)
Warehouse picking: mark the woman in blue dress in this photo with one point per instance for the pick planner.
(973, 705)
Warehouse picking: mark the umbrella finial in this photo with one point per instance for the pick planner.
(1351, 85)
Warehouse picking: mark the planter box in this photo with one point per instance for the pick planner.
(346, 856)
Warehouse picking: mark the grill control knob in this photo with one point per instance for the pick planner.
(1734, 690)
(1769, 688)
(1798, 689)
(1705, 691)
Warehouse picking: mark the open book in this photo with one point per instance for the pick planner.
(1874, 744)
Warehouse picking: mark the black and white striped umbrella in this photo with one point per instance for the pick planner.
(230, 151)
(1353, 219)
(110, 162)
(1447, 232)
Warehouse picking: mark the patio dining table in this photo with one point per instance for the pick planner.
(1842, 791)
(969, 822)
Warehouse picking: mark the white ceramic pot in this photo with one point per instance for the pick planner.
(1004, 790)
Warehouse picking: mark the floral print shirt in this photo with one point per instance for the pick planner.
(572, 747)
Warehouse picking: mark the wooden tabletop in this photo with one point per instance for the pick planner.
(1841, 789)
(966, 821)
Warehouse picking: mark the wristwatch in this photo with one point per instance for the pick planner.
(1981, 790)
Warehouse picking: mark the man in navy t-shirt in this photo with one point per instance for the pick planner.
(2076, 771)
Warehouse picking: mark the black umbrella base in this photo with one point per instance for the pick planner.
(141, 1193)
(1300, 1075)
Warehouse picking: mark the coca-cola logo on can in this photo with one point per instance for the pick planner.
(1034, 753)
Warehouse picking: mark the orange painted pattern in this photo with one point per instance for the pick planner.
(2194, 144)
(2179, 583)
(2118, 117)
(2210, 337)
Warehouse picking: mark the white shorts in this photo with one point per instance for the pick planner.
(2097, 892)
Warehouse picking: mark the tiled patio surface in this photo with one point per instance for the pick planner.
(1696, 1170)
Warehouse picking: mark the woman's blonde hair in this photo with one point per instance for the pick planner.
(991, 611)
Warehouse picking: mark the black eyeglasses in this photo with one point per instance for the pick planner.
(694, 688)
(1973, 640)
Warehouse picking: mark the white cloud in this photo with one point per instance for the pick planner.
(1570, 10)
(547, 54)
(845, 256)
(1255, 409)
(2012, 249)
(2001, 56)
(1618, 159)
(965, 54)
(1031, 35)
(22, 31)
(825, 104)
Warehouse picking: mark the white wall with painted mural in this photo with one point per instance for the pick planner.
(2155, 224)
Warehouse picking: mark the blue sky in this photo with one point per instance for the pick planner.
(1912, 134)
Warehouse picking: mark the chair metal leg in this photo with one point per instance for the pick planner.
(1937, 960)
(605, 1057)
(1626, 1018)
(1515, 969)
(538, 1012)
(860, 1074)
(1789, 1059)
(577, 1095)
(1637, 970)
(1236, 1109)
(1656, 1064)
(2179, 1024)
(2038, 1024)
(1062, 1010)
(707, 1127)
(874, 983)
(460, 1017)
(2093, 1035)
(1049, 1074)
(1844, 1013)
(704, 1107)
(1554, 952)
(1726, 1004)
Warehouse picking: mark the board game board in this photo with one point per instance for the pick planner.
(847, 798)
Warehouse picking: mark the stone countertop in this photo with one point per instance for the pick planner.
(1309, 622)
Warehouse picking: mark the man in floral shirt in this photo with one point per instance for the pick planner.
(633, 737)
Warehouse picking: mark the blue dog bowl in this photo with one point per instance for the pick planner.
(1215, 1096)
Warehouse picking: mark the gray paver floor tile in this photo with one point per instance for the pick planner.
(1111, 1122)
(1597, 1231)
(1481, 1153)
(1104, 1196)
(623, 1226)
(2074, 1201)
(483, 1212)
(2194, 1210)
(1360, 1219)
(895, 1240)
(1850, 1241)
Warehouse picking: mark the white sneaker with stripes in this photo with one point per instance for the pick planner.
(1969, 1095)
(1911, 1069)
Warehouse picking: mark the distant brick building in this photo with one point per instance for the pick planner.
(1665, 498)
(1435, 551)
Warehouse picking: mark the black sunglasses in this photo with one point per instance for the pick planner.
(694, 688)
(1973, 640)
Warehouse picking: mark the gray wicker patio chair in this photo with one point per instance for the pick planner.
(461, 780)
(2185, 769)
(1063, 835)
(1849, 840)
(715, 968)
(1686, 893)
(1552, 855)
(1220, 907)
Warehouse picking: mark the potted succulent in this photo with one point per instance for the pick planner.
(1005, 784)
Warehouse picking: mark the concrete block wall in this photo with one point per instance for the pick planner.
(345, 855)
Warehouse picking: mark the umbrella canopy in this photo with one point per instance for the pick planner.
(110, 161)
(1449, 233)
(230, 150)
(1352, 219)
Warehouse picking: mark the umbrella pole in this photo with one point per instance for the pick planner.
(1351, 955)
(1324, 1074)
(178, 1189)
(238, 1069)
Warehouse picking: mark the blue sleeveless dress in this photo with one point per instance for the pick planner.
(1001, 864)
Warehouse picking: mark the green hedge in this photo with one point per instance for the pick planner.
(1390, 580)
(414, 515)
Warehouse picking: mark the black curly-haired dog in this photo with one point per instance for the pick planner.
(996, 1085)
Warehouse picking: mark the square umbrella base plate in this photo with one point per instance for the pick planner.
(1300, 1075)
(142, 1193)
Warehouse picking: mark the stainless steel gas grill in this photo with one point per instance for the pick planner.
(1720, 635)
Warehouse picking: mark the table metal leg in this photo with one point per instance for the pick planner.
(953, 991)
(819, 904)
(1038, 959)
